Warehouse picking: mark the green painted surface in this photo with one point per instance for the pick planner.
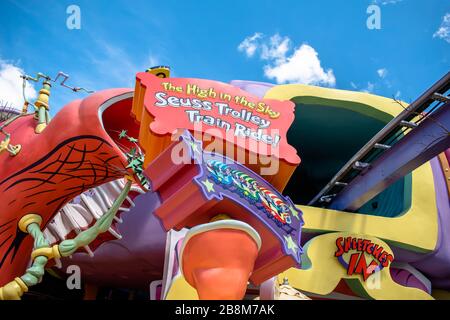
(34, 274)
(326, 134)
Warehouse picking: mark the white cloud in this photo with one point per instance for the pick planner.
(398, 94)
(302, 66)
(382, 73)
(11, 91)
(276, 48)
(444, 30)
(250, 44)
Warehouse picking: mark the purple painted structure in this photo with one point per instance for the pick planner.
(407, 279)
(420, 145)
(435, 265)
(259, 89)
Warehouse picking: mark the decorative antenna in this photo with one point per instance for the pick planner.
(62, 83)
(41, 104)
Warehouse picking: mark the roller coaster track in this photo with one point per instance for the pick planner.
(416, 135)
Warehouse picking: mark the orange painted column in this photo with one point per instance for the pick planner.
(217, 259)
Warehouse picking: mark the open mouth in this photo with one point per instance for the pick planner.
(85, 209)
(70, 175)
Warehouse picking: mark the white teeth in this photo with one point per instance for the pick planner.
(57, 227)
(130, 202)
(89, 206)
(117, 219)
(84, 215)
(51, 238)
(121, 182)
(117, 185)
(73, 218)
(92, 206)
(137, 189)
(99, 199)
(89, 251)
(114, 233)
(58, 263)
(114, 188)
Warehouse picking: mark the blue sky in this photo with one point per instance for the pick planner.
(327, 40)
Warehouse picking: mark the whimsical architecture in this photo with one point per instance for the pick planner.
(186, 188)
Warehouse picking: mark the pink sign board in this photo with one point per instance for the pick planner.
(221, 110)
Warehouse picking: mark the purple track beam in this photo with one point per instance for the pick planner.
(426, 141)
